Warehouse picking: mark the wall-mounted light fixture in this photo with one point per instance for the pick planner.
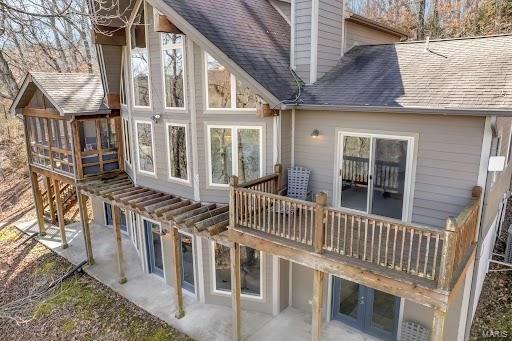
(315, 133)
(155, 118)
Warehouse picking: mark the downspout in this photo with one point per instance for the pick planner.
(476, 268)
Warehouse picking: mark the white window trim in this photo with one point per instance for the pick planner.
(410, 176)
(112, 210)
(146, 250)
(194, 265)
(122, 81)
(234, 150)
(232, 109)
(127, 146)
(187, 152)
(184, 54)
(132, 85)
(152, 147)
(227, 293)
(509, 144)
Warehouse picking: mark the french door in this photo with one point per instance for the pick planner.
(187, 261)
(369, 310)
(374, 174)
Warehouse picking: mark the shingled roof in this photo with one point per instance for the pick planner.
(70, 93)
(251, 33)
(459, 74)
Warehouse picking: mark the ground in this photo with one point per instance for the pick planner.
(494, 311)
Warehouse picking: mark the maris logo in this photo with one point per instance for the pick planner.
(495, 334)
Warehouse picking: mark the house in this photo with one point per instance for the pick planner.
(184, 146)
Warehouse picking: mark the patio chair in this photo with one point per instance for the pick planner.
(297, 187)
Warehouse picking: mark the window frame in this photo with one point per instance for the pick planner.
(122, 80)
(228, 293)
(162, 70)
(139, 170)
(234, 150)
(232, 108)
(187, 152)
(127, 137)
(129, 33)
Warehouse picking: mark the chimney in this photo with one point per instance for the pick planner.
(317, 37)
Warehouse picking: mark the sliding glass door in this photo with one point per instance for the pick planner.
(154, 248)
(373, 174)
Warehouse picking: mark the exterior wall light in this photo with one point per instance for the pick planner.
(155, 118)
(315, 133)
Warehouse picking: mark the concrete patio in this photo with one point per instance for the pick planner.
(152, 294)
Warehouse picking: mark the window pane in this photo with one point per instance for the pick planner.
(349, 299)
(245, 98)
(356, 156)
(383, 308)
(108, 133)
(145, 147)
(178, 151)
(187, 261)
(248, 154)
(139, 61)
(173, 69)
(108, 214)
(250, 271)
(127, 140)
(222, 268)
(219, 85)
(220, 139)
(87, 131)
(122, 86)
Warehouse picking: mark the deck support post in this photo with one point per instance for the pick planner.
(82, 206)
(318, 294)
(278, 169)
(438, 324)
(235, 290)
(38, 202)
(233, 183)
(60, 213)
(446, 265)
(176, 266)
(319, 236)
(49, 194)
(116, 221)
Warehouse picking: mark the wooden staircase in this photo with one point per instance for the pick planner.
(68, 195)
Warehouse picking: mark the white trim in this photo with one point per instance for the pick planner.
(232, 109)
(152, 147)
(181, 46)
(234, 149)
(200, 270)
(400, 318)
(343, 28)
(499, 142)
(313, 59)
(278, 10)
(329, 298)
(227, 293)
(276, 297)
(292, 34)
(193, 123)
(509, 143)
(290, 282)
(187, 152)
(410, 172)
(292, 161)
(276, 137)
(146, 33)
(164, 265)
(127, 137)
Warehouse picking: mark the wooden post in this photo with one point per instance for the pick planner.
(446, 265)
(60, 213)
(438, 324)
(82, 206)
(38, 201)
(318, 294)
(176, 265)
(49, 194)
(235, 290)
(116, 221)
(319, 236)
(77, 151)
(233, 183)
(278, 169)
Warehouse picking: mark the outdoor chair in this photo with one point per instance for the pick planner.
(297, 188)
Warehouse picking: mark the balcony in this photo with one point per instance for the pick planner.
(425, 256)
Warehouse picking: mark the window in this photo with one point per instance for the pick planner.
(177, 147)
(127, 141)
(145, 154)
(173, 66)
(234, 151)
(108, 214)
(225, 91)
(139, 60)
(108, 134)
(122, 85)
(509, 149)
(250, 270)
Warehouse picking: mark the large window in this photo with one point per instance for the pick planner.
(127, 141)
(225, 91)
(177, 147)
(234, 151)
(139, 60)
(173, 67)
(250, 270)
(145, 150)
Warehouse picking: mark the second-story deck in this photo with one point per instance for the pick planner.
(425, 256)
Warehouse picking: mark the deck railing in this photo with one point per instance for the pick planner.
(429, 252)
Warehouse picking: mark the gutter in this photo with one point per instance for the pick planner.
(402, 110)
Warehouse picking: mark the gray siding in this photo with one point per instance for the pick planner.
(302, 53)
(286, 139)
(330, 21)
(357, 34)
(447, 161)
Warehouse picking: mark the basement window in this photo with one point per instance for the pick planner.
(224, 90)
